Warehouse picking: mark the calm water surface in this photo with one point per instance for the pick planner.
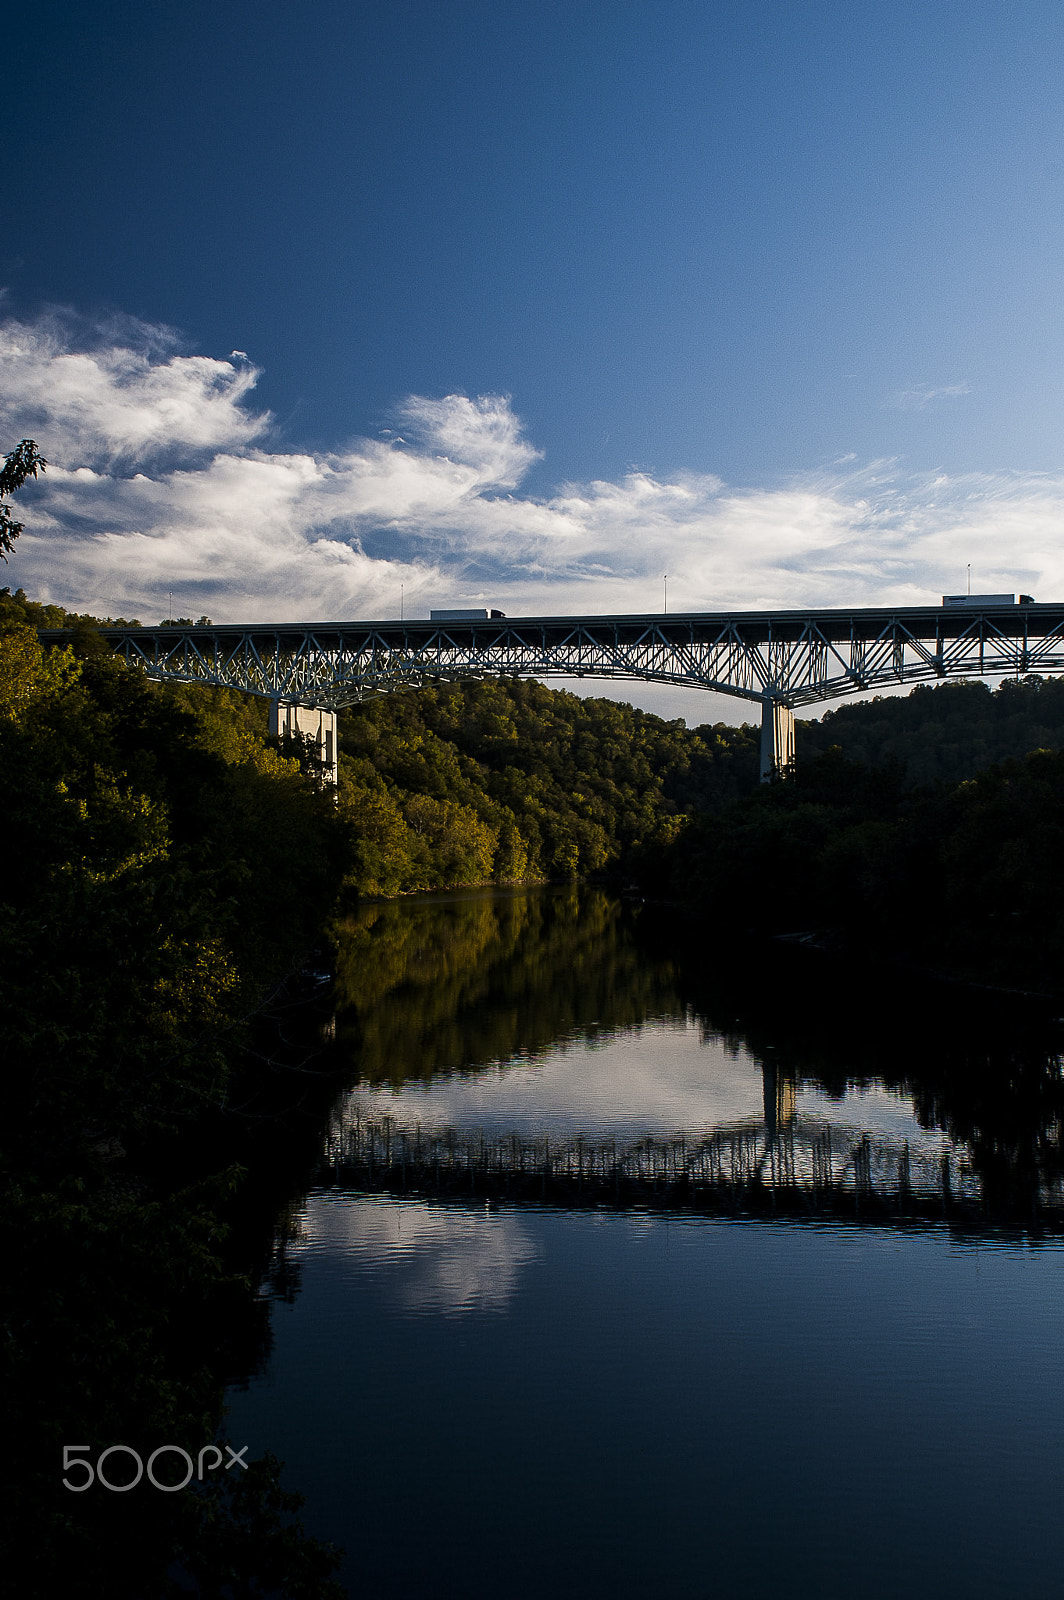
(703, 1274)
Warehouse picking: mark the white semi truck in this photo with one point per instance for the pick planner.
(465, 616)
(978, 602)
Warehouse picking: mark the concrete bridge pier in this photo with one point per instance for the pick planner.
(310, 723)
(779, 1096)
(777, 739)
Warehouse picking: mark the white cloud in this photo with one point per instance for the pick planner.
(483, 433)
(121, 401)
(164, 477)
(427, 1258)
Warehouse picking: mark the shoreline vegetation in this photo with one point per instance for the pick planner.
(170, 867)
(166, 868)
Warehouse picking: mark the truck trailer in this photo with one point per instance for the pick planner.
(466, 616)
(978, 602)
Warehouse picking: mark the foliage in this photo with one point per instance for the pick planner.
(950, 731)
(563, 787)
(963, 878)
(170, 864)
(24, 462)
(165, 865)
(509, 781)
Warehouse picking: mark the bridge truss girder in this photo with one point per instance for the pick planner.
(778, 659)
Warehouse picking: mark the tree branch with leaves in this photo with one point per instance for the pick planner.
(24, 462)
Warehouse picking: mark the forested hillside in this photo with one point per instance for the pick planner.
(503, 780)
(508, 780)
(963, 879)
(163, 865)
(949, 730)
(511, 781)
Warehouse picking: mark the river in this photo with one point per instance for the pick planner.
(638, 1259)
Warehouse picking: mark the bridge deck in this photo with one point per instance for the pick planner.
(838, 624)
(793, 657)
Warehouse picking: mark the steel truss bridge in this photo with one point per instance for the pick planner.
(779, 659)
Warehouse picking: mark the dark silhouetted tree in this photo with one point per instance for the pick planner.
(22, 463)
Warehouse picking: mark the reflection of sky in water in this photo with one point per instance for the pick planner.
(662, 1078)
(426, 1258)
(871, 1109)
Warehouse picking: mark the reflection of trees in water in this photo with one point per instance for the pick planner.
(984, 1068)
(445, 985)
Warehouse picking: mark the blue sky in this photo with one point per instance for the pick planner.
(536, 302)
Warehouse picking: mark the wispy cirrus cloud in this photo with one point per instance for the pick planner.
(165, 477)
(923, 395)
